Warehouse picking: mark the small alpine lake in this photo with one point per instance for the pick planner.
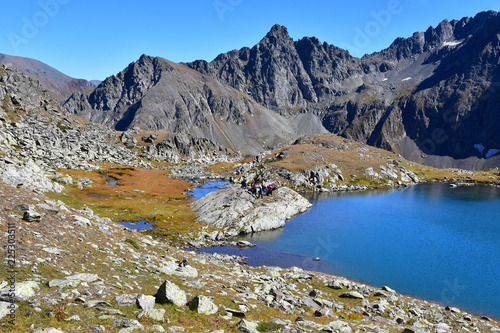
(430, 241)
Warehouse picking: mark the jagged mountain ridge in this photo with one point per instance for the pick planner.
(430, 97)
(59, 85)
(156, 94)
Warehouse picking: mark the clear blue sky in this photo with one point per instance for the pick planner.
(94, 39)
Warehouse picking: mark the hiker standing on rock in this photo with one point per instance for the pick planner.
(261, 191)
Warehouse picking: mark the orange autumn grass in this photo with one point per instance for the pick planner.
(139, 194)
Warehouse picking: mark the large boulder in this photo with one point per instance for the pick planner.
(237, 209)
(23, 291)
(170, 293)
(7, 308)
(145, 302)
(203, 305)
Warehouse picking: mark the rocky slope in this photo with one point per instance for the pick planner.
(59, 85)
(430, 97)
(34, 127)
(79, 272)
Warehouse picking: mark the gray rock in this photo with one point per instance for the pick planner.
(126, 322)
(335, 284)
(22, 207)
(126, 299)
(7, 308)
(203, 305)
(145, 302)
(32, 216)
(172, 268)
(197, 284)
(83, 277)
(153, 314)
(247, 326)
(97, 328)
(128, 139)
(64, 283)
(158, 328)
(236, 313)
(385, 288)
(23, 291)
(80, 221)
(338, 326)
(95, 302)
(47, 330)
(73, 281)
(170, 293)
(352, 294)
(236, 208)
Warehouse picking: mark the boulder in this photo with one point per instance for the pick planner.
(80, 221)
(126, 299)
(203, 305)
(126, 322)
(236, 208)
(128, 139)
(145, 302)
(247, 326)
(352, 294)
(338, 326)
(7, 308)
(23, 291)
(153, 314)
(170, 293)
(32, 216)
(172, 268)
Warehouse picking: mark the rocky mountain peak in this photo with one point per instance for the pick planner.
(278, 32)
(402, 93)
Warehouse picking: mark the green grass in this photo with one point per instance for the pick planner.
(265, 326)
(133, 243)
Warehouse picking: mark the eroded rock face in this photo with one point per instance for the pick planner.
(237, 209)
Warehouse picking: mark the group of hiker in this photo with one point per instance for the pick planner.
(258, 191)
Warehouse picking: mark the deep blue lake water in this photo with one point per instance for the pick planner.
(430, 241)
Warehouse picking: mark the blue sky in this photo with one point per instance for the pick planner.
(95, 39)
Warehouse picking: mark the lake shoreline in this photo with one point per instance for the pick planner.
(232, 241)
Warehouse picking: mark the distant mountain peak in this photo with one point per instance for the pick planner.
(278, 32)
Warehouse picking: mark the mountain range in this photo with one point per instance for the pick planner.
(59, 85)
(432, 97)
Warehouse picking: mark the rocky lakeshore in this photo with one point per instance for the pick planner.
(77, 272)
